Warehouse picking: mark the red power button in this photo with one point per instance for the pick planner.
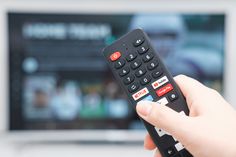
(114, 56)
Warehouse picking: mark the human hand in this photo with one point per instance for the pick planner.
(208, 131)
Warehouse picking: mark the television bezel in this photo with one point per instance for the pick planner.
(110, 7)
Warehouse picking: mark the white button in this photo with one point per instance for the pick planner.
(161, 132)
(140, 93)
(159, 82)
(162, 101)
(179, 147)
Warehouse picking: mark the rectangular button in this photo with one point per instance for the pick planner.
(179, 147)
(159, 82)
(148, 98)
(164, 90)
(162, 101)
(161, 132)
(140, 93)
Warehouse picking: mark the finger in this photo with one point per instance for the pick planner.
(190, 88)
(157, 153)
(163, 117)
(148, 143)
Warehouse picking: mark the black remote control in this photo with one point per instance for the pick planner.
(143, 76)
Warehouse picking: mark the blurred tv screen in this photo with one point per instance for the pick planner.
(59, 79)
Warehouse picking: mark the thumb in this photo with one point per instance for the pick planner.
(163, 117)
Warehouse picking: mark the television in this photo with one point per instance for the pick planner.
(58, 84)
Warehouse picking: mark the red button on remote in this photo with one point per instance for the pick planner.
(114, 56)
(164, 90)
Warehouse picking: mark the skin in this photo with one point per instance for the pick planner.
(208, 131)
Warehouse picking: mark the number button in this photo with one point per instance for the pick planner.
(152, 65)
(145, 80)
(138, 41)
(131, 57)
(124, 71)
(120, 63)
(140, 72)
(128, 79)
(143, 49)
(148, 57)
(133, 87)
(135, 64)
(157, 73)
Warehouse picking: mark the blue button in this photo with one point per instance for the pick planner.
(148, 98)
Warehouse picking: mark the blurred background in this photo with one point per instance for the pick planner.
(59, 97)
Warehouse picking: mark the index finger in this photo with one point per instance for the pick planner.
(191, 88)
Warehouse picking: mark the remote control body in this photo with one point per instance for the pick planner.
(143, 76)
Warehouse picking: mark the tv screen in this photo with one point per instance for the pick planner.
(59, 79)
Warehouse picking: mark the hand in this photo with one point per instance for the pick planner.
(208, 131)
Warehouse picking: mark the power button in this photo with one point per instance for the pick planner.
(114, 56)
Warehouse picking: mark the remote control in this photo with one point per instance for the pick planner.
(143, 76)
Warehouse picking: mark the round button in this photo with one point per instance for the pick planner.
(124, 71)
(157, 73)
(120, 63)
(152, 65)
(145, 80)
(128, 79)
(133, 87)
(131, 57)
(136, 64)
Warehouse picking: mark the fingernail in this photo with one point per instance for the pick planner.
(143, 108)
